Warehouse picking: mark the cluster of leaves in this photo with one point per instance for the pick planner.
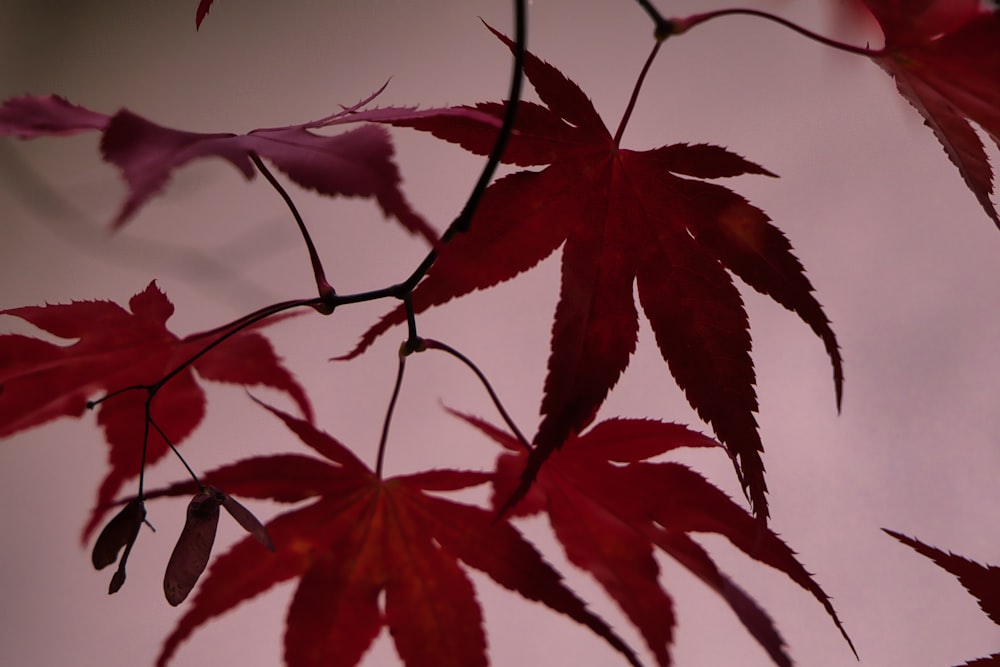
(623, 218)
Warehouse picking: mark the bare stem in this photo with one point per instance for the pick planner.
(145, 443)
(635, 91)
(383, 439)
(464, 219)
(325, 290)
(438, 345)
(233, 329)
(176, 453)
(229, 330)
(681, 26)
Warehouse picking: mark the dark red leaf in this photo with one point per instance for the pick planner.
(982, 581)
(362, 538)
(110, 348)
(624, 218)
(203, 8)
(610, 517)
(944, 58)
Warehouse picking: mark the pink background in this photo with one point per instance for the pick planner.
(903, 258)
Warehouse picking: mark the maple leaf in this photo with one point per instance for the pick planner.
(113, 349)
(203, 8)
(981, 581)
(609, 517)
(356, 163)
(945, 58)
(361, 537)
(623, 218)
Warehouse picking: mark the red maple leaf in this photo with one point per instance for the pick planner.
(624, 218)
(357, 163)
(982, 581)
(945, 58)
(203, 8)
(361, 537)
(609, 517)
(113, 349)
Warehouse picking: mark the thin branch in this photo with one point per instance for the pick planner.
(413, 342)
(238, 326)
(431, 344)
(325, 290)
(176, 453)
(464, 219)
(681, 26)
(635, 91)
(383, 439)
(145, 444)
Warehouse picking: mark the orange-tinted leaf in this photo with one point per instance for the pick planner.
(624, 218)
(945, 58)
(609, 518)
(111, 348)
(362, 539)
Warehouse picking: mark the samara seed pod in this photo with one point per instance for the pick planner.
(194, 546)
(121, 531)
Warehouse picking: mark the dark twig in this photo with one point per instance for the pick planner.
(464, 219)
(176, 453)
(683, 25)
(401, 368)
(431, 344)
(325, 290)
(635, 91)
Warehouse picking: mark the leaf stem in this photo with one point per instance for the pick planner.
(413, 342)
(401, 368)
(145, 443)
(681, 26)
(174, 450)
(431, 344)
(325, 289)
(461, 223)
(229, 330)
(635, 91)
(234, 328)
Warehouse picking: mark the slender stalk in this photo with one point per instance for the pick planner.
(145, 444)
(635, 91)
(683, 25)
(237, 327)
(413, 342)
(464, 220)
(176, 453)
(229, 330)
(325, 290)
(383, 439)
(438, 345)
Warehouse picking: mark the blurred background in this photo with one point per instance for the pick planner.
(903, 259)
